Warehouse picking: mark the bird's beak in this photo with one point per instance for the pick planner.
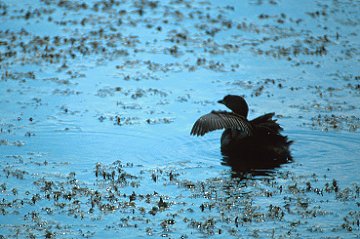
(221, 102)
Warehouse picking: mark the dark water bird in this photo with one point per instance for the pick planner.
(246, 144)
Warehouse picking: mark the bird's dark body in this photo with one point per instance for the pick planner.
(265, 144)
(246, 144)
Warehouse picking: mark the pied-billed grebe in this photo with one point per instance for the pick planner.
(258, 140)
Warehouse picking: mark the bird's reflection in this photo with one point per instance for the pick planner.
(248, 166)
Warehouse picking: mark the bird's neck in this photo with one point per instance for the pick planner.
(243, 112)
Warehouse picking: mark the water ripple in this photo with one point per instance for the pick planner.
(337, 152)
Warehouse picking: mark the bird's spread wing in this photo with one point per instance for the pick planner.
(221, 120)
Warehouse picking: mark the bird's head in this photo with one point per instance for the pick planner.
(236, 103)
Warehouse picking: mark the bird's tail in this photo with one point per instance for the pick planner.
(267, 123)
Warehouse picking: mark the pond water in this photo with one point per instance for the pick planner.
(97, 100)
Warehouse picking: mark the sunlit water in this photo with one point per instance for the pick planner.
(95, 134)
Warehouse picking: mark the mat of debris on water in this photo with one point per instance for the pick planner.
(97, 100)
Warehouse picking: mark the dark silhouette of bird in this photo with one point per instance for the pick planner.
(246, 144)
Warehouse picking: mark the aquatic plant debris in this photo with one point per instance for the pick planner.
(97, 99)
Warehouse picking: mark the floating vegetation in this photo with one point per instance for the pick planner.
(203, 206)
